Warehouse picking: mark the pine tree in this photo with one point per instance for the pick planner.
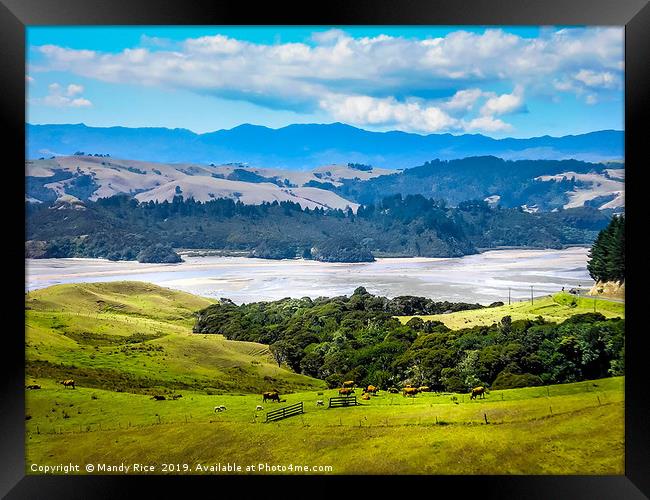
(607, 255)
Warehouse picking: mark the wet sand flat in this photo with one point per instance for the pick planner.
(483, 278)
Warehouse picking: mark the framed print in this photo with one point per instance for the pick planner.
(279, 245)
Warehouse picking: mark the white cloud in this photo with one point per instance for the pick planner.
(60, 97)
(463, 100)
(417, 116)
(504, 103)
(364, 110)
(329, 36)
(604, 79)
(487, 124)
(381, 78)
(74, 89)
(214, 45)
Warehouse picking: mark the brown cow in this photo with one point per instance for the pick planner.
(366, 396)
(348, 383)
(346, 391)
(410, 391)
(67, 383)
(371, 389)
(271, 396)
(424, 388)
(477, 391)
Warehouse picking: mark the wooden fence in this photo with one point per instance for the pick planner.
(287, 411)
(343, 401)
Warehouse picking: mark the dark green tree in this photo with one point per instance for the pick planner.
(607, 255)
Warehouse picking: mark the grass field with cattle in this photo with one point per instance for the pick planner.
(124, 342)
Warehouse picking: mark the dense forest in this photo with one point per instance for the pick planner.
(607, 255)
(477, 178)
(357, 338)
(121, 228)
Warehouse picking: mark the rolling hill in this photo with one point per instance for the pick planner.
(91, 177)
(137, 337)
(532, 184)
(556, 308)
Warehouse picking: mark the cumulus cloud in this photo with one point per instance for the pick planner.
(504, 103)
(383, 79)
(64, 97)
(487, 124)
(364, 110)
(463, 100)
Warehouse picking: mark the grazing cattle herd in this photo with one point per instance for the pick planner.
(347, 390)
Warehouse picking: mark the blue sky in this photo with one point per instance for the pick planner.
(498, 81)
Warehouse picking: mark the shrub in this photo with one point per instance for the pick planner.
(507, 380)
(159, 253)
(334, 380)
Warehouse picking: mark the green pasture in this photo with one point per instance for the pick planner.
(137, 337)
(562, 429)
(556, 308)
(124, 342)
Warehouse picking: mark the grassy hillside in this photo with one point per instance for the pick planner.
(556, 308)
(562, 429)
(136, 337)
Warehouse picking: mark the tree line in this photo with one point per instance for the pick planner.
(121, 227)
(358, 338)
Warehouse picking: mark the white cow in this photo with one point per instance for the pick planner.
(319, 402)
(259, 408)
(219, 408)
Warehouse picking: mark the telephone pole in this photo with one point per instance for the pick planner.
(508, 295)
(531, 295)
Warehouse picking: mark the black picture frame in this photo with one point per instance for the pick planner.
(15, 15)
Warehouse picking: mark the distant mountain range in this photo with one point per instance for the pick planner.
(299, 147)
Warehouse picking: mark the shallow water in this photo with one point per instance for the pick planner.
(482, 278)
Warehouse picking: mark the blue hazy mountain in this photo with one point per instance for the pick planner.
(306, 146)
